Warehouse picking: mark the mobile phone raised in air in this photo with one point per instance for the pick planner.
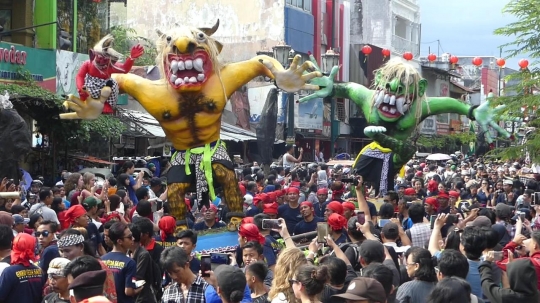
(497, 255)
(361, 217)
(383, 222)
(270, 224)
(432, 221)
(206, 265)
(322, 232)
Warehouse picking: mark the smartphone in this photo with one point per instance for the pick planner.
(139, 283)
(322, 232)
(522, 216)
(220, 258)
(270, 224)
(396, 215)
(206, 265)
(361, 217)
(497, 255)
(383, 222)
(432, 221)
(536, 198)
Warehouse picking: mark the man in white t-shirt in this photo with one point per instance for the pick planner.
(43, 207)
(288, 158)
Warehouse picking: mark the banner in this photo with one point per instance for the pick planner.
(67, 66)
(309, 115)
(429, 126)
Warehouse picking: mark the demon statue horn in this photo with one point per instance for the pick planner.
(393, 108)
(98, 92)
(188, 102)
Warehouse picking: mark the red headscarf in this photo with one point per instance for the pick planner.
(410, 192)
(166, 225)
(337, 222)
(322, 191)
(23, 249)
(271, 209)
(294, 190)
(264, 198)
(336, 207)
(348, 205)
(74, 212)
(307, 203)
(433, 202)
(251, 232)
(432, 186)
(246, 220)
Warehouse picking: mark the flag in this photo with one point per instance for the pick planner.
(472, 147)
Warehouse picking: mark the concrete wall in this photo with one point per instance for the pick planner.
(245, 26)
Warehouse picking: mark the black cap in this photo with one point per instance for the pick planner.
(89, 279)
(372, 250)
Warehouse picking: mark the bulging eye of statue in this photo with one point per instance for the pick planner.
(201, 37)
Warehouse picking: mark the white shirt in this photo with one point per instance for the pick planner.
(286, 163)
(44, 211)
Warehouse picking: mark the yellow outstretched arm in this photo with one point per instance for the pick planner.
(235, 75)
(143, 90)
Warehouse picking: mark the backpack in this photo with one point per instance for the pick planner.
(356, 249)
(157, 276)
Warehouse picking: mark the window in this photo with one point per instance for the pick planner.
(93, 24)
(289, 2)
(341, 113)
(443, 118)
(301, 4)
(307, 5)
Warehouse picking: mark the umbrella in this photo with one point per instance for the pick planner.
(438, 157)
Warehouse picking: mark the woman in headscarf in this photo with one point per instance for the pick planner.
(167, 225)
(72, 244)
(75, 217)
(23, 280)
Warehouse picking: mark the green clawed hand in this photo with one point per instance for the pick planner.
(325, 83)
(485, 115)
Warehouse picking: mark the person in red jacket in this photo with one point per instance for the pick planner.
(532, 245)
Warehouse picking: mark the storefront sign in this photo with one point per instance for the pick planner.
(13, 55)
(443, 128)
(429, 126)
(39, 63)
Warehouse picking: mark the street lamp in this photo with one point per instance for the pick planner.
(283, 54)
(329, 60)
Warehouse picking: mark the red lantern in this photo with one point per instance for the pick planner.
(366, 50)
(477, 61)
(408, 56)
(385, 52)
(523, 63)
(432, 57)
(501, 62)
(454, 59)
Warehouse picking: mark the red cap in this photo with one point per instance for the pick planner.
(293, 190)
(443, 195)
(322, 191)
(337, 222)
(264, 198)
(410, 192)
(419, 174)
(433, 202)
(348, 205)
(306, 203)
(422, 165)
(454, 194)
(336, 207)
(270, 209)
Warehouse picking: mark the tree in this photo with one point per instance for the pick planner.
(519, 99)
(125, 38)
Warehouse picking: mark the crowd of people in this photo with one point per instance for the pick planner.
(465, 230)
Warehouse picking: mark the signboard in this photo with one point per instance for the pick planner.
(443, 128)
(67, 66)
(455, 126)
(40, 63)
(309, 115)
(429, 126)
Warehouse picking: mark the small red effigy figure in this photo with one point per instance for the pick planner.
(94, 73)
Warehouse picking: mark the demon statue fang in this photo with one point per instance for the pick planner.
(98, 92)
(393, 108)
(188, 102)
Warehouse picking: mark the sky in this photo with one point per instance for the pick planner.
(464, 28)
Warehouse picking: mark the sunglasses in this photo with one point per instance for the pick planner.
(45, 233)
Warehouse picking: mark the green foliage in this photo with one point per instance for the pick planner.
(125, 38)
(44, 106)
(451, 141)
(518, 92)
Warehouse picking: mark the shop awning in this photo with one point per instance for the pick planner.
(91, 159)
(142, 124)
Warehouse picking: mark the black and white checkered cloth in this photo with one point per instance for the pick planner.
(94, 86)
(196, 159)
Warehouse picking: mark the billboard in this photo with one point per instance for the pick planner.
(309, 115)
(67, 66)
